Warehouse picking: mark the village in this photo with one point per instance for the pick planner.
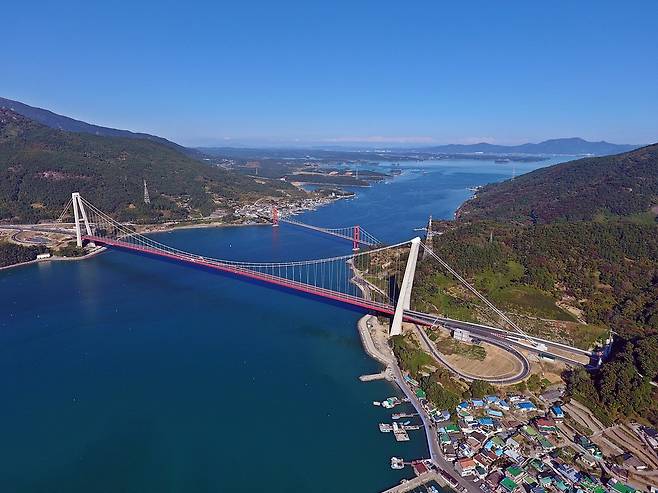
(519, 443)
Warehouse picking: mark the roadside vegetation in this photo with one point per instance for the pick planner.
(12, 253)
(571, 253)
(442, 389)
(621, 388)
(448, 345)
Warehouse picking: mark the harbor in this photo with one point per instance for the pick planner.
(428, 477)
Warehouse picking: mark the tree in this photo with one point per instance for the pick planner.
(480, 388)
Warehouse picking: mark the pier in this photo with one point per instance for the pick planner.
(386, 374)
(417, 482)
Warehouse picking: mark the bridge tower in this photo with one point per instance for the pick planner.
(275, 216)
(429, 234)
(404, 298)
(79, 214)
(356, 238)
(147, 199)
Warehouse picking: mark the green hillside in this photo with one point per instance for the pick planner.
(620, 185)
(571, 252)
(41, 166)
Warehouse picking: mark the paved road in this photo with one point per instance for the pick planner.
(41, 229)
(432, 437)
(491, 333)
(521, 375)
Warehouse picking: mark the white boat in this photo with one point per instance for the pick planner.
(376, 403)
(397, 463)
(390, 402)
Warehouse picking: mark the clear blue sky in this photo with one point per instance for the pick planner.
(220, 72)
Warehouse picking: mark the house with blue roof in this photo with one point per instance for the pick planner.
(526, 406)
(503, 405)
(557, 412)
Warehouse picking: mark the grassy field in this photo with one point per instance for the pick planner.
(448, 345)
(435, 295)
(530, 301)
(507, 290)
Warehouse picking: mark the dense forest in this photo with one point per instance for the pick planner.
(608, 270)
(12, 253)
(581, 234)
(41, 166)
(591, 188)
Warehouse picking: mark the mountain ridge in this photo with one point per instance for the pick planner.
(624, 184)
(61, 122)
(568, 146)
(41, 166)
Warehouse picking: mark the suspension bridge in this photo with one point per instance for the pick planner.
(356, 234)
(374, 278)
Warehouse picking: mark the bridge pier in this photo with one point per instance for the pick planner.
(404, 298)
(79, 213)
(356, 239)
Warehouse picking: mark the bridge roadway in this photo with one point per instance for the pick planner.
(492, 333)
(521, 375)
(333, 232)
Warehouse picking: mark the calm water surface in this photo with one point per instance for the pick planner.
(127, 374)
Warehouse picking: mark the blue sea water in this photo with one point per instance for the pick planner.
(122, 373)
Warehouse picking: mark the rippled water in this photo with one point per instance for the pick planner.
(122, 373)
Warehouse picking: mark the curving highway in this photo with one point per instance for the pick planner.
(521, 375)
(499, 335)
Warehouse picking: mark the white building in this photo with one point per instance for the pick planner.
(461, 335)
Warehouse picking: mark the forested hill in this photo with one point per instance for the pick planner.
(41, 166)
(580, 236)
(61, 122)
(620, 185)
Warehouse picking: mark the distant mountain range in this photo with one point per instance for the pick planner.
(574, 146)
(59, 122)
(569, 146)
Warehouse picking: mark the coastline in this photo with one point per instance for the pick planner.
(95, 251)
(169, 227)
(387, 358)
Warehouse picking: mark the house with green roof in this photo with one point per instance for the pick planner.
(452, 428)
(530, 431)
(622, 488)
(514, 472)
(545, 480)
(508, 485)
(537, 465)
(545, 444)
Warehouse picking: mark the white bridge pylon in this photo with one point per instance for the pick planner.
(79, 214)
(367, 279)
(404, 297)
